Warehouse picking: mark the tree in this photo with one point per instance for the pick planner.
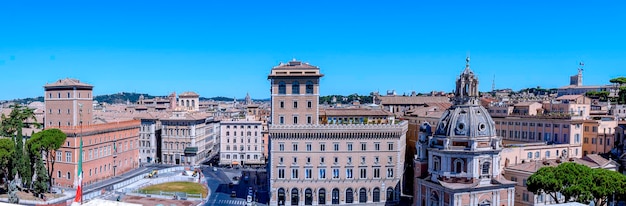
(572, 180)
(12, 127)
(618, 80)
(608, 184)
(41, 185)
(7, 148)
(46, 143)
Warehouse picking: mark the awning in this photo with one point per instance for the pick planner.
(191, 151)
(235, 163)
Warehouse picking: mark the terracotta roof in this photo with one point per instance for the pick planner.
(525, 104)
(597, 159)
(386, 100)
(188, 94)
(294, 64)
(354, 112)
(67, 82)
(534, 166)
(569, 97)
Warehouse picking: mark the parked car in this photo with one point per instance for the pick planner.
(233, 193)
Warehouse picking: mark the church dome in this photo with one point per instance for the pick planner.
(466, 118)
(466, 121)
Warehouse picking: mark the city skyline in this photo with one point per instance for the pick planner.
(227, 49)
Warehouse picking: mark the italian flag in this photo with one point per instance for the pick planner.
(79, 178)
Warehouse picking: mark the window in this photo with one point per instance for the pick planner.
(349, 146)
(281, 160)
(485, 169)
(295, 87)
(282, 104)
(390, 159)
(322, 147)
(389, 172)
(309, 104)
(309, 87)
(308, 160)
(295, 119)
(282, 88)
(363, 173)
(525, 196)
(547, 154)
(294, 173)
(514, 179)
(321, 160)
(295, 104)
(377, 146)
(524, 182)
(68, 175)
(363, 146)
(295, 160)
(307, 173)
(322, 174)
(294, 147)
(436, 164)
(336, 146)
(335, 173)
(349, 160)
(390, 146)
(349, 173)
(336, 160)
(281, 120)
(281, 147)
(530, 155)
(309, 120)
(536, 155)
(68, 156)
(376, 195)
(308, 147)
(376, 173)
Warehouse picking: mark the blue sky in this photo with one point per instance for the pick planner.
(227, 48)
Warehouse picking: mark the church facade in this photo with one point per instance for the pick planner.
(458, 160)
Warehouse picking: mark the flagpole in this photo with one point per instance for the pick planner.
(80, 157)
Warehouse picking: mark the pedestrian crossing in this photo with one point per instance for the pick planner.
(230, 202)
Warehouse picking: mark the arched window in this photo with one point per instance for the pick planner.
(295, 87)
(349, 195)
(187, 103)
(309, 87)
(389, 194)
(436, 164)
(376, 195)
(321, 196)
(458, 166)
(308, 197)
(434, 199)
(294, 196)
(362, 195)
(193, 103)
(485, 169)
(335, 196)
(281, 196)
(281, 88)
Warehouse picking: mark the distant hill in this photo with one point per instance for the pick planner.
(121, 98)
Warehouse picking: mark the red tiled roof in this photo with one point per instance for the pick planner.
(406, 100)
(67, 82)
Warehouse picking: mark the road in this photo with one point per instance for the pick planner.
(221, 189)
